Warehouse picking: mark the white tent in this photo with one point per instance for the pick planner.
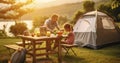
(95, 29)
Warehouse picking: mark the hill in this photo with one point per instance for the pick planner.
(64, 10)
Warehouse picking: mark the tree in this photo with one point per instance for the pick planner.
(11, 9)
(88, 6)
(113, 12)
(115, 4)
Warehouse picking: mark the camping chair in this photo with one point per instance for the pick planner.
(69, 47)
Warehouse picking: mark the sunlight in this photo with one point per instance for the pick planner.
(21, 1)
(36, 1)
(44, 1)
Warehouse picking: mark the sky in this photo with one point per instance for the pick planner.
(42, 3)
(48, 3)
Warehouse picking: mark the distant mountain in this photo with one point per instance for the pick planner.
(64, 10)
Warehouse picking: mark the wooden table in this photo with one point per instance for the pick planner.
(46, 39)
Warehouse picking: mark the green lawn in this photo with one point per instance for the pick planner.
(109, 54)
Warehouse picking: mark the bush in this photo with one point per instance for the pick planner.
(18, 28)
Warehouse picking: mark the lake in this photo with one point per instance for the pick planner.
(9, 23)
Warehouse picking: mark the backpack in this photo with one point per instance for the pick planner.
(18, 56)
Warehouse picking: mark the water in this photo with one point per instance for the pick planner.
(9, 23)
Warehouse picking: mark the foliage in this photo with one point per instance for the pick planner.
(11, 9)
(112, 12)
(76, 16)
(18, 28)
(88, 6)
(39, 21)
(3, 32)
(115, 4)
(62, 20)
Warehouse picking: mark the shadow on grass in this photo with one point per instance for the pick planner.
(73, 59)
(112, 50)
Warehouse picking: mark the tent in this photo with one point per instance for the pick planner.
(95, 29)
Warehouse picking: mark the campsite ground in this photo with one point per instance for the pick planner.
(108, 54)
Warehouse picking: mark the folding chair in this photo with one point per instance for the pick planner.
(69, 47)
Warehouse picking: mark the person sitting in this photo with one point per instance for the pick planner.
(70, 37)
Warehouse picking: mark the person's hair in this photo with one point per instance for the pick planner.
(55, 15)
(68, 26)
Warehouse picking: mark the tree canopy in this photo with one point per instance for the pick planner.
(11, 9)
(115, 4)
(112, 8)
(88, 6)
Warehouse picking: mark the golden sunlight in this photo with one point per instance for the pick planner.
(44, 1)
(21, 0)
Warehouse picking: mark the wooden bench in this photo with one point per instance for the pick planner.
(29, 44)
(13, 47)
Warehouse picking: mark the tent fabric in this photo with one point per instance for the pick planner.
(19, 56)
(107, 23)
(87, 24)
(85, 31)
(95, 29)
(95, 12)
(85, 38)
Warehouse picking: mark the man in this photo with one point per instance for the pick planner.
(52, 23)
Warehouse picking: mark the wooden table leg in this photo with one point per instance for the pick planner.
(34, 52)
(59, 52)
(23, 40)
(48, 47)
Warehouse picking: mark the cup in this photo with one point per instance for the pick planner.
(48, 33)
(59, 33)
(32, 34)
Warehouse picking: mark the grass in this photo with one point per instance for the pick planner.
(3, 51)
(109, 54)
